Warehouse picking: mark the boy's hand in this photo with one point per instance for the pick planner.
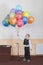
(31, 49)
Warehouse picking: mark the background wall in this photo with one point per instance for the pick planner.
(14, 48)
(35, 7)
(8, 35)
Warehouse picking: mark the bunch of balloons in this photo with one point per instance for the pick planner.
(18, 17)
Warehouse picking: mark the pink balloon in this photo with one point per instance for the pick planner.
(18, 16)
(20, 23)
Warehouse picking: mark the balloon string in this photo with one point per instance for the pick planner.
(18, 32)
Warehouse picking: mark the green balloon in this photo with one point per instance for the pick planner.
(7, 20)
(12, 14)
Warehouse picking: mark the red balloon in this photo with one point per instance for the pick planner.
(20, 23)
(18, 16)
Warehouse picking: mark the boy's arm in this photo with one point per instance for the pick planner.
(30, 44)
(24, 42)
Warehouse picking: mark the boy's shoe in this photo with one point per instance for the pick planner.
(24, 59)
(28, 60)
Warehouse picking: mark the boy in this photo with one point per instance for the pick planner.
(27, 46)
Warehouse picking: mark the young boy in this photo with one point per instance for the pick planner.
(27, 46)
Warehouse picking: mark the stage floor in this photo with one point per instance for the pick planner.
(35, 60)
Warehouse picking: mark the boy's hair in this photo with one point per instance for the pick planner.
(28, 35)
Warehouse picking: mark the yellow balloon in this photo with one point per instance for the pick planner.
(26, 14)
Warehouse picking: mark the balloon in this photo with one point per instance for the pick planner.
(12, 15)
(18, 7)
(6, 20)
(25, 20)
(18, 16)
(5, 23)
(8, 16)
(26, 14)
(20, 23)
(19, 11)
(12, 10)
(13, 21)
(31, 20)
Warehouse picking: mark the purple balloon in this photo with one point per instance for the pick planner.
(7, 16)
(12, 10)
(19, 11)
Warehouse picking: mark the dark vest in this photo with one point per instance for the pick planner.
(26, 42)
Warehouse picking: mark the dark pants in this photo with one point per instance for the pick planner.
(27, 53)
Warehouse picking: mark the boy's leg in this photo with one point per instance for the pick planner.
(28, 53)
(24, 54)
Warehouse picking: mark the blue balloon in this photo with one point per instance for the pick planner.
(5, 23)
(18, 7)
(25, 20)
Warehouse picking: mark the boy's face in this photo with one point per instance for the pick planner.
(27, 37)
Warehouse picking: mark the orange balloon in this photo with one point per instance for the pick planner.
(31, 20)
(13, 21)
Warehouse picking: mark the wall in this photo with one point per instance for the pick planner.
(14, 48)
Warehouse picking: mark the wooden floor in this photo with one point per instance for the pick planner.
(35, 60)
